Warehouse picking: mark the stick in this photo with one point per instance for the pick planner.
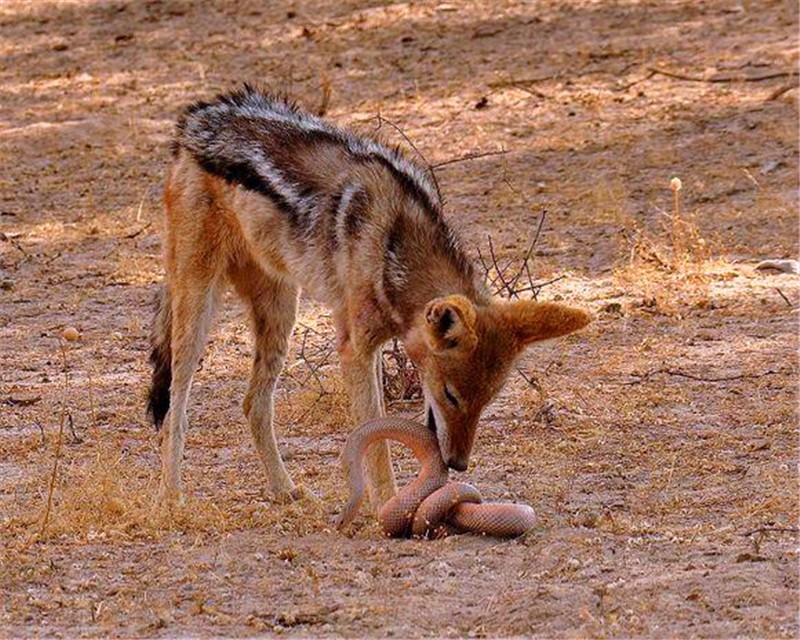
(6, 238)
(625, 87)
(62, 421)
(417, 151)
(537, 287)
(720, 79)
(500, 274)
(690, 376)
(532, 382)
(775, 529)
(780, 91)
(527, 257)
(134, 234)
(468, 156)
(783, 295)
(41, 431)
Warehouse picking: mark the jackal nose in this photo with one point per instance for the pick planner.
(458, 464)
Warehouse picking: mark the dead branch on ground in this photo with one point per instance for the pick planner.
(722, 79)
(785, 299)
(781, 90)
(312, 357)
(760, 530)
(64, 413)
(645, 377)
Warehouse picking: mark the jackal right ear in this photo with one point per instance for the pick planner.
(450, 324)
(534, 321)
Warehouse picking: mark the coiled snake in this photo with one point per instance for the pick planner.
(430, 506)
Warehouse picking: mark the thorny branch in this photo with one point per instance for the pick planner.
(644, 377)
(401, 382)
(428, 165)
(506, 279)
(312, 357)
(468, 156)
(524, 266)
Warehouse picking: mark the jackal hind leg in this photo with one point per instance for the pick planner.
(195, 293)
(273, 307)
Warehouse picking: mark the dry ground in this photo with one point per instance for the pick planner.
(659, 447)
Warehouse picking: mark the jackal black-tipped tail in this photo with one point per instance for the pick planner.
(161, 358)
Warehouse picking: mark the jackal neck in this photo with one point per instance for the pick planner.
(414, 277)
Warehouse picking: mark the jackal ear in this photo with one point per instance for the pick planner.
(450, 324)
(534, 321)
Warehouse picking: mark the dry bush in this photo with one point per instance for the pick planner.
(685, 251)
(401, 381)
(669, 268)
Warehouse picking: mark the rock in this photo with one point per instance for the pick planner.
(786, 266)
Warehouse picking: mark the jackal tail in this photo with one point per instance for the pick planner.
(161, 358)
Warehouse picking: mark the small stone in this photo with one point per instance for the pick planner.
(588, 519)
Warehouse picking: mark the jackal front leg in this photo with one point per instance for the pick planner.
(361, 373)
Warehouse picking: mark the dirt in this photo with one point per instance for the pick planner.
(658, 447)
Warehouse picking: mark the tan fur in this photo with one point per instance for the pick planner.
(219, 233)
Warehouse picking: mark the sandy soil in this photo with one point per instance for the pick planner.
(659, 447)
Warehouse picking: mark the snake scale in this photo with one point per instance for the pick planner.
(429, 506)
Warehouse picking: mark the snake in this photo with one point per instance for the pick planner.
(430, 506)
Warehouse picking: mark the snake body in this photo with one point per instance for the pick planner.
(429, 506)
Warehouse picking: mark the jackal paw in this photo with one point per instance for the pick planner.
(168, 499)
(296, 494)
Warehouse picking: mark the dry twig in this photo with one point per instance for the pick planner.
(512, 285)
(759, 530)
(783, 295)
(468, 156)
(644, 377)
(138, 232)
(722, 79)
(781, 90)
(62, 421)
(422, 157)
(401, 381)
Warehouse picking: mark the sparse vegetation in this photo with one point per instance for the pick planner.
(659, 447)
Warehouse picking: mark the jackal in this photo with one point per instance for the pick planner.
(271, 199)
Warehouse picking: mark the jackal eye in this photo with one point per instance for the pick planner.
(450, 397)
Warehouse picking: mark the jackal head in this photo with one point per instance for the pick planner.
(464, 353)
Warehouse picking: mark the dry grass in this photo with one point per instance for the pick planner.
(658, 447)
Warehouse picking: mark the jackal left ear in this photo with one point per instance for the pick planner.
(450, 324)
(534, 321)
